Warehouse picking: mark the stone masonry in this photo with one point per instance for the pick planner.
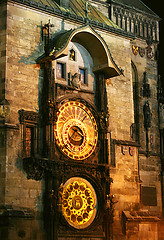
(135, 164)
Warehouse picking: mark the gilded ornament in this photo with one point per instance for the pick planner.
(79, 206)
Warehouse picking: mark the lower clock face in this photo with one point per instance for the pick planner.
(79, 204)
(76, 130)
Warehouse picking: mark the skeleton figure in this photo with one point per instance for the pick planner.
(76, 82)
(53, 199)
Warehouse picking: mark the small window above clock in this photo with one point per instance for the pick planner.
(83, 75)
(61, 70)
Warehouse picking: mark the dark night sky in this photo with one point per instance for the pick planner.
(157, 7)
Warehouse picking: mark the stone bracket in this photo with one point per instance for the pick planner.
(36, 168)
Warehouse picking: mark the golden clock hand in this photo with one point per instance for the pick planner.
(81, 134)
(83, 118)
(75, 130)
(72, 135)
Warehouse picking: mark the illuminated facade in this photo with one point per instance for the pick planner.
(81, 121)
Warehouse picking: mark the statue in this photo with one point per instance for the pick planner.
(161, 113)
(147, 115)
(60, 196)
(104, 117)
(109, 215)
(72, 55)
(56, 198)
(75, 81)
(53, 200)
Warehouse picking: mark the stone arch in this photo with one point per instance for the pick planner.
(95, 45)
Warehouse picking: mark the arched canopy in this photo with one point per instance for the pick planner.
(93, 42)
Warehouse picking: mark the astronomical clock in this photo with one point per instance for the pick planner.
(73, 127)
(76, 133)
(76, 130)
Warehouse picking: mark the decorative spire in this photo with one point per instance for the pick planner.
(46, 35)
(86, 11)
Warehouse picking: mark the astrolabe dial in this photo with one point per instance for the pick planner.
(79, 202)
(76, 130)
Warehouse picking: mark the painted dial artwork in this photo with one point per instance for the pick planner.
(76, 130)
(79, 203)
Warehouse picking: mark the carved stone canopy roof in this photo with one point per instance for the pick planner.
(88, 37)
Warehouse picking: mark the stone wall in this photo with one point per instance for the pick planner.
(21, 91)
(144, 64)
(3, 14)
(119, 89)
(24, 82)
(3, 25)
(23, 47)
(21, 228)
(22, 85)
(125, 186)
(149, 164)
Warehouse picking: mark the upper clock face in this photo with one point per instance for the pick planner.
(76, 130)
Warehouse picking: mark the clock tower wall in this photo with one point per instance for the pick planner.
(120, 89)
(74, 75)
(67, 120)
